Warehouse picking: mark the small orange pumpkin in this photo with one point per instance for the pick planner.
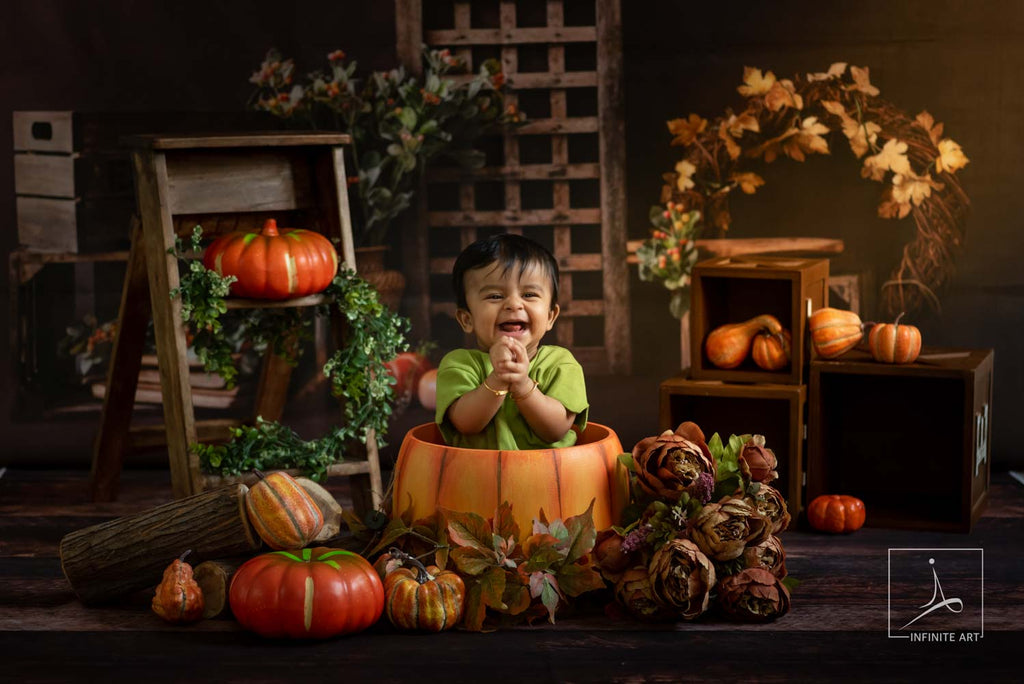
(894, 343)
(772, 352)
(836, 513)
(281, 511)
(835, 331)
(178, 598)
(424, 599)
(727, 345)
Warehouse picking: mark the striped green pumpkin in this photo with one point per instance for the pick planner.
(281, 511)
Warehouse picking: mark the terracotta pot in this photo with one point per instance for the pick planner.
(561, 481)
(389, 283)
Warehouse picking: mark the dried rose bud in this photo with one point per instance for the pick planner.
(753, 595)
(759, 460)
(668, 465)
(770, 503)
(633, 592)
(722, 530)
(682, 578)
(768, 555)
(611, 558)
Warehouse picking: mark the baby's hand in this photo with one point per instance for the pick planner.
(513, 365)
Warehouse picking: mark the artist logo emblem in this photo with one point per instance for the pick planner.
(936, 594)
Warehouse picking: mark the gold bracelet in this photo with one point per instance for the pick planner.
(518, 399)
(497, 393)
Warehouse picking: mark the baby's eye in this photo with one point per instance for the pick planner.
(531, 294)
(493, 296)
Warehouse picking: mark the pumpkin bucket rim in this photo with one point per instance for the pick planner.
(430, 434)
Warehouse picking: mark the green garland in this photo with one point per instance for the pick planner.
(357, 371)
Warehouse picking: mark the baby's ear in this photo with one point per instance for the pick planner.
(553, 316)
(465, 320)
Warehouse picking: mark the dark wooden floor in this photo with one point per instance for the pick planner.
(837, 629)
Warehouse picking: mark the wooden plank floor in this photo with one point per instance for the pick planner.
(837, 629)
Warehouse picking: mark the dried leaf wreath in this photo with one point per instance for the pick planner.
(789, 118)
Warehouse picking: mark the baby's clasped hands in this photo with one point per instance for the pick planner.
(511, 364)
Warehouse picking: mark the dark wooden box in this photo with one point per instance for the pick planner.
(910, 441)
(775, 411)
(735, 289)
(73, 178)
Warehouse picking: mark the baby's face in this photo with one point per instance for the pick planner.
(507, 303)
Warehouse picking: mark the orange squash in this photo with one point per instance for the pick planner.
(835, 331)
(836, 513)
(727, 346)
(178, 598)
(772, 352)
(894, 343)
(282, 513)
(432, 475)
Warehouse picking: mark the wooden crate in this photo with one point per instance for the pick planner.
(737, 288)
(775, 411)
(73, 179)
(559, 179)
(910, 441)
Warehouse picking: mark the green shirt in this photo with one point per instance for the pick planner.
(558, 375)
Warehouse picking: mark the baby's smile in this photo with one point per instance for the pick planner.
(515, 329)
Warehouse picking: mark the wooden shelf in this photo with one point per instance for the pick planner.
(309, 300)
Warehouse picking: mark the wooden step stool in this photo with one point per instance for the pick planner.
(221, 180)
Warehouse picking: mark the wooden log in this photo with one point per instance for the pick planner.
(115, 558)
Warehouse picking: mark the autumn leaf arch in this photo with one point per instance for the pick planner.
(788, 118)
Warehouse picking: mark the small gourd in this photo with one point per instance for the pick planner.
(178, 598)
(282, 512)
(728, 345)
(894, 343)
(772, 352)
(420, 598)
(835, 331)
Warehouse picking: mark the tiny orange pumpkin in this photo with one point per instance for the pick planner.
(425, 599)
(894, 343)
(281, 511)
(178, 598)
(772, 352)
(836, 513)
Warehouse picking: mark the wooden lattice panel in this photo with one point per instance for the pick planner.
(557, 179)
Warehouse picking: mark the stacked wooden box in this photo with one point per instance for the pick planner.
(910, 440)
(747, 399)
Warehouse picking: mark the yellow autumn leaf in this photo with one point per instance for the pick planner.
(755, 82)
(748, 181)
(807, 140)
(783, 94)
(744, 122)
(907, 187)
(951, 157)
(834, 71)
(684, 181)
(890, 208)
(862, 81)
(731, 146)
(686, 130)
(925, 121)
(861, 136)
(893, 157)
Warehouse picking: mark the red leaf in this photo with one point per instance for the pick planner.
(504, 524)
(577, 579)
(582, 534)
(468, 529)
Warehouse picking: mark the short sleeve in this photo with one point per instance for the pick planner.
(562, 378)
(459, 372)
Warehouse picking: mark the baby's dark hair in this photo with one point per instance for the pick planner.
(508, 250)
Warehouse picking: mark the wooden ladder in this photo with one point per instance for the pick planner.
(221, 181)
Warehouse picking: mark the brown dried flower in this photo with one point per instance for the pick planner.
(753, 595)
(724, 529)
(768, 555)
(668, 465)
(682, 578)
(633, 591)
(758, 460)
(610, 557)
(770, 503)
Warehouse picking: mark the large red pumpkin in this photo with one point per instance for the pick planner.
(312, 594)
(273, 265)
(562, 481)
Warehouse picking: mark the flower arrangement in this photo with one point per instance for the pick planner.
(910, 156)
(669, 255)
(702, 530)
(398, 122)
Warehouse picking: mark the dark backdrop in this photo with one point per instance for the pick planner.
(962, 61)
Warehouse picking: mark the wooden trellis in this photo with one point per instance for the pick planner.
(561, 175)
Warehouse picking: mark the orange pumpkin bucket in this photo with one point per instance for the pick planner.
(431, 475)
